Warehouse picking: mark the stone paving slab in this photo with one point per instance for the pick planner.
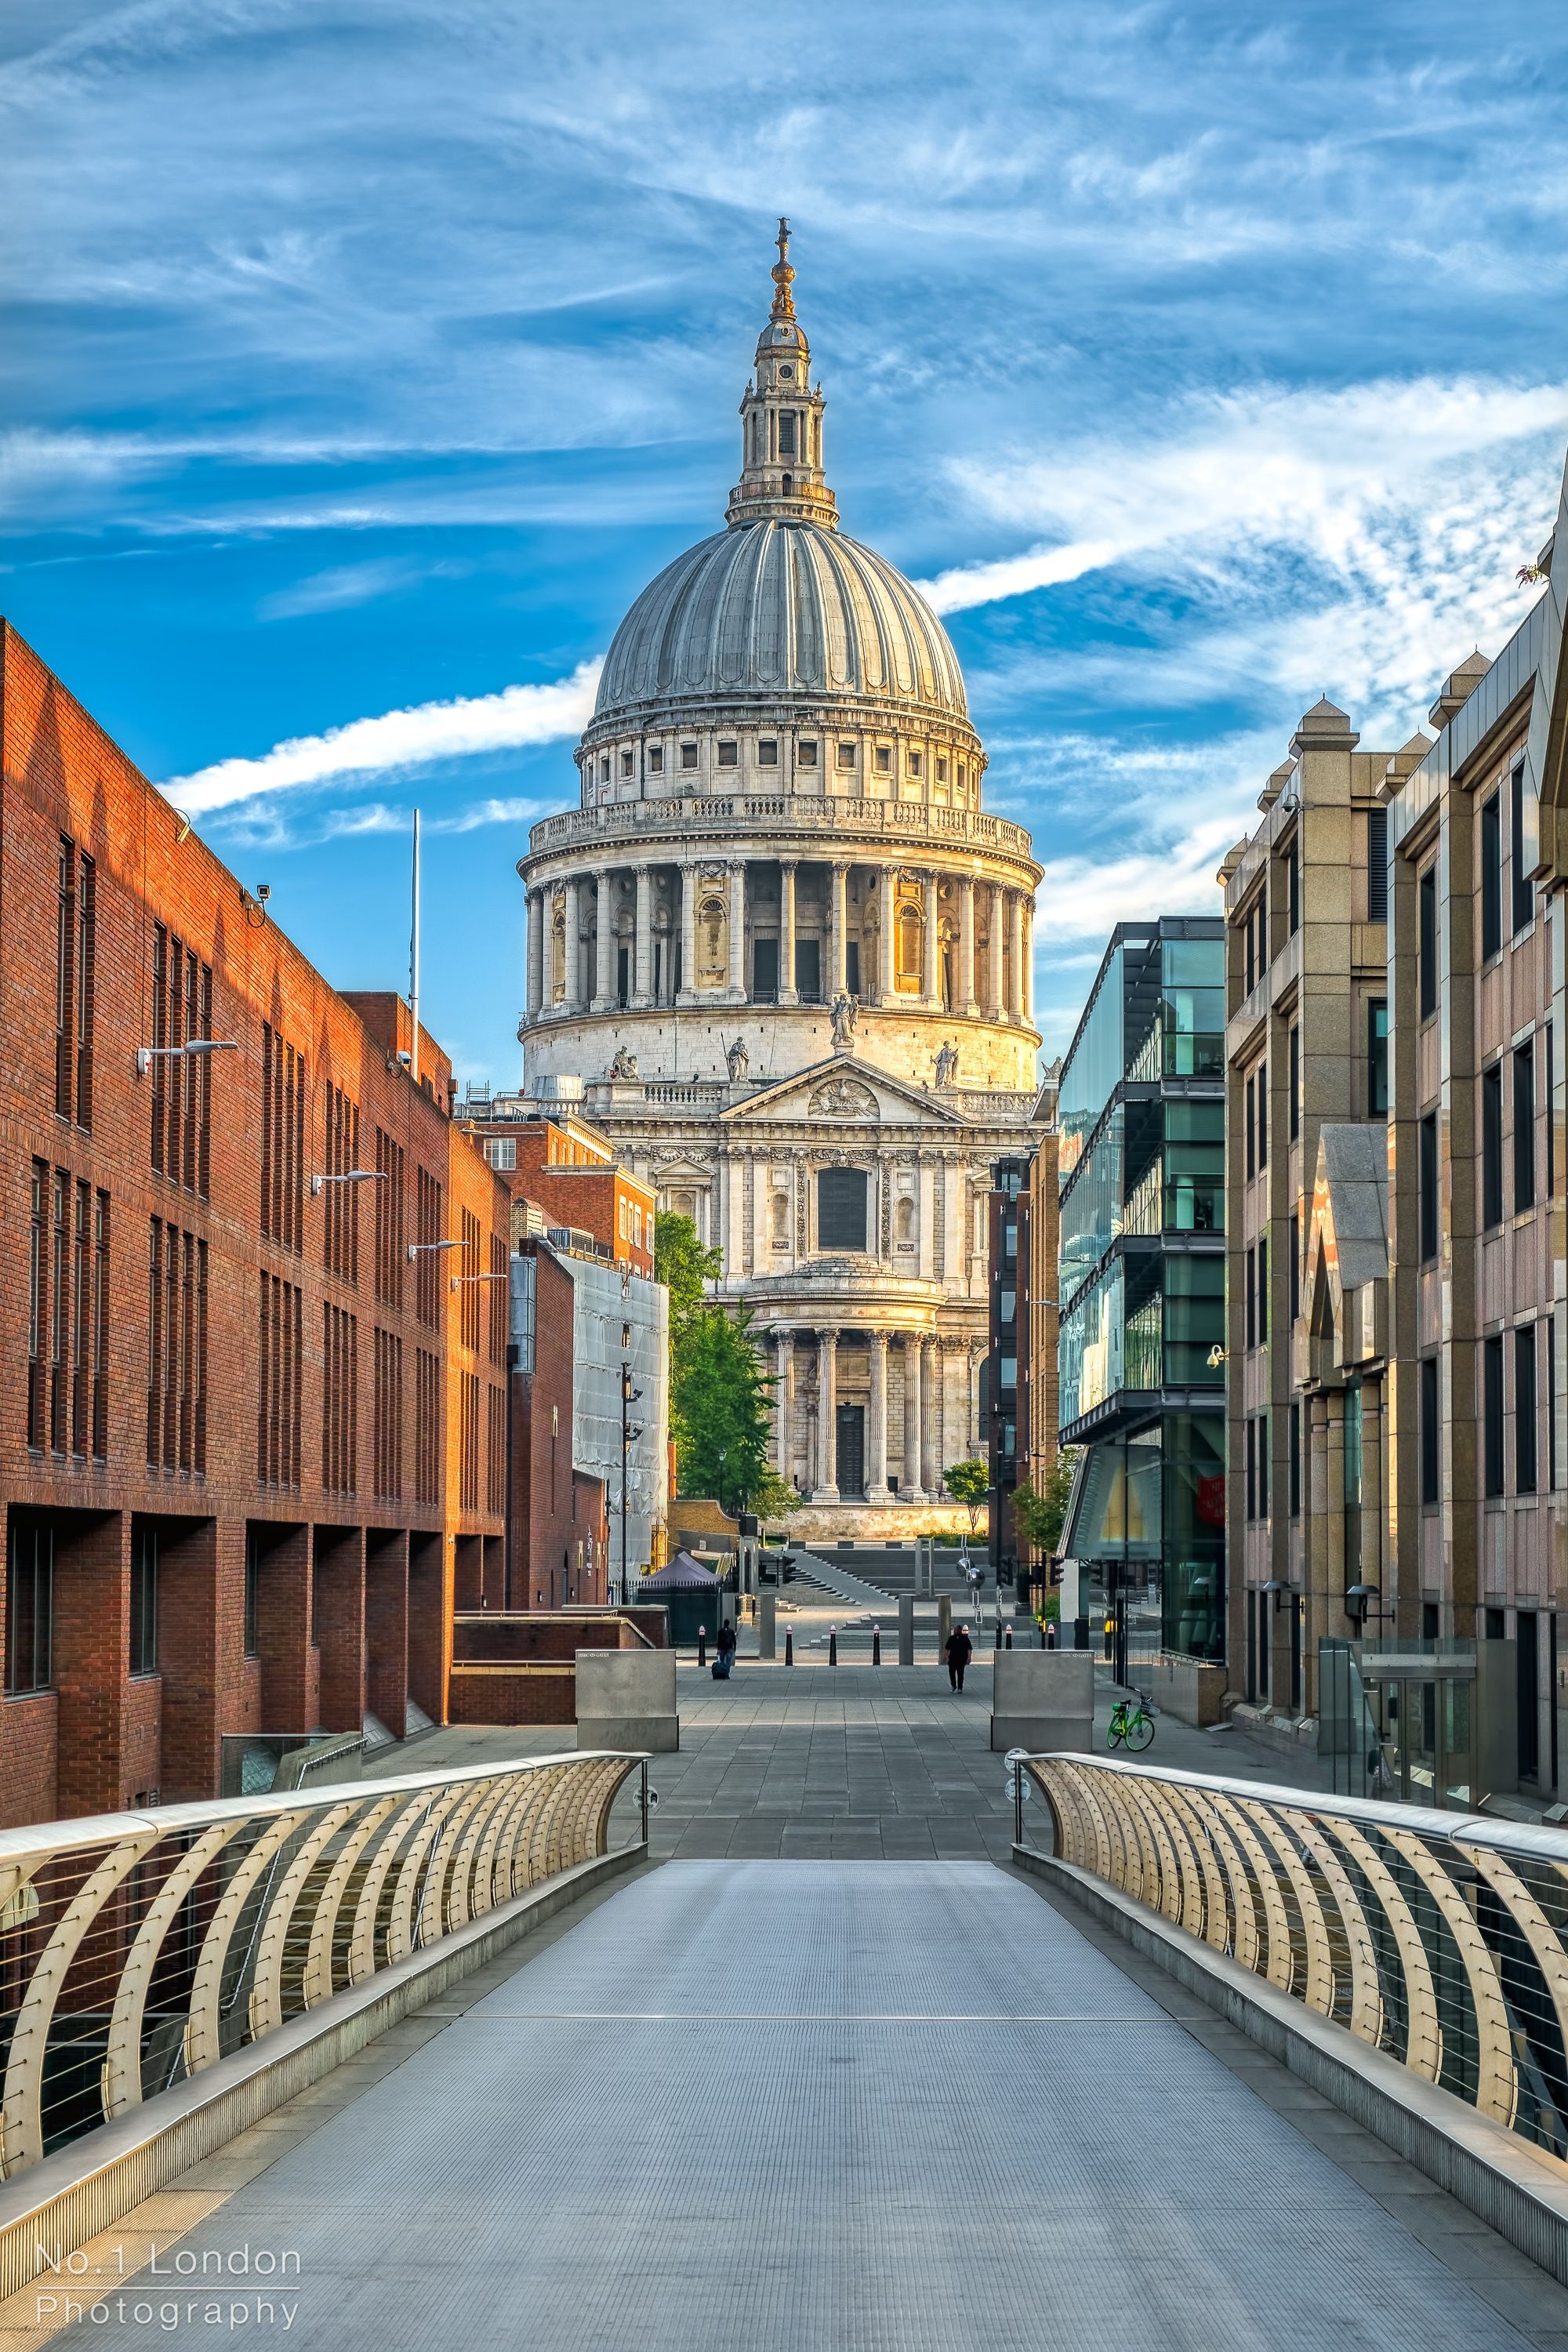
(835, 2105)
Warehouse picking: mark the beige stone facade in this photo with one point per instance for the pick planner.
(1396, 1360)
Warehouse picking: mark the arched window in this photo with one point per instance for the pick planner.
(912, 942)
(712, 941)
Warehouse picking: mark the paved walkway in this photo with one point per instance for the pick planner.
(818, 2106)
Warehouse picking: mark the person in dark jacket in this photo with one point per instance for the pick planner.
(726, 1649)
(959, 1650)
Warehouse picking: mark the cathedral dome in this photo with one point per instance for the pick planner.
(782, 607)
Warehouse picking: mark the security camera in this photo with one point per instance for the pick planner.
(264, 891)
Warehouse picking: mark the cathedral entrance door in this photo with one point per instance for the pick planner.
(851, 1428)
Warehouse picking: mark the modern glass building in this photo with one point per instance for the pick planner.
(1140, 1361)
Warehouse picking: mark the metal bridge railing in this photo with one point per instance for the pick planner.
(1441, 1938)
(138, 1949)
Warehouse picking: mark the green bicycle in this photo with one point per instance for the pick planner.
(1132, 1725)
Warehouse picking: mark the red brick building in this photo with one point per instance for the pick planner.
(248, 1444)
(561, 1536)
(568, 1169)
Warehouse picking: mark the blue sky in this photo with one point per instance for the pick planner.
(363, 358)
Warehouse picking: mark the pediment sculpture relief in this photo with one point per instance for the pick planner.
(842, 1098)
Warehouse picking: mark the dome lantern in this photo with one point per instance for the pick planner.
(781, 422)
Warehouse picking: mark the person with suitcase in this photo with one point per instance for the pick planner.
(725, 1647)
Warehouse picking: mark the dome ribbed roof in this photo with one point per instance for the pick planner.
(781, 607)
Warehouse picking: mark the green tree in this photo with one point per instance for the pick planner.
(774, 1497)
(720, 1410)
(969, 1483)
(1039, 1515)
(684, 1266)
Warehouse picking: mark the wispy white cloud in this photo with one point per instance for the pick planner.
(342, 586)
(397, 741)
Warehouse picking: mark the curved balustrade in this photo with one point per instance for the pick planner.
(138, 1949)
(1440, 1938)
(674, 814)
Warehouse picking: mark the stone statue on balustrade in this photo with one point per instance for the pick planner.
(624, 1065)
(738, 1059)
(947, 1063)
(845, 1013)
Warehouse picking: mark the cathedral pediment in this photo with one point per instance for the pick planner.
(844, 1092)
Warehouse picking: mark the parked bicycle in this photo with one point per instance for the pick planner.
(1132, 1723)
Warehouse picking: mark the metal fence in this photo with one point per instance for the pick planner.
(1440, 1938)
(138, 1949)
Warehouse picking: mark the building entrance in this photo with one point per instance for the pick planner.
(851, 1442)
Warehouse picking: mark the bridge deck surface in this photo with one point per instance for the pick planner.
(837, 2104)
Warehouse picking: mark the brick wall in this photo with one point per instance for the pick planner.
(175, 941)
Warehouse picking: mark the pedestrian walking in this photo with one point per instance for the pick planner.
(959, 1650)
(725, 1647)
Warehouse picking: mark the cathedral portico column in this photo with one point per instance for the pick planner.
(964, 978)
(1020, 1005)
(886, 943)
(838, 930)
(737, 927)
(786, 931)
(826, 1490)
(686, 995)
(911, 1487)
(783, 1401)
(995, 1002)
(604, 970)
(536, 920)
(931, 1403)
(642, 972)
(572, 958)
(877, 1465)
(931, 989)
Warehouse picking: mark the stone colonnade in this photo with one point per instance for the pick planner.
(805, 1412)
(995, 982)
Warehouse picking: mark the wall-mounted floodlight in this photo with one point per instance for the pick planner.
(417, 1249)
(459, 1280)
(147, 1054)
(349, 1176)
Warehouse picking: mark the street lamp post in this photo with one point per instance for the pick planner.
(629, 1434)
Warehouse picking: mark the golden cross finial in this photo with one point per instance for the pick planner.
(782, 275)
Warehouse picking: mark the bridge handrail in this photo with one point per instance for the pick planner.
(139, 1948)
(1440, 1938)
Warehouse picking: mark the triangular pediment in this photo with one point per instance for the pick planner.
(844, 1091)
(1347, 1245)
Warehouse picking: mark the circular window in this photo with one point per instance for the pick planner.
(786, 376)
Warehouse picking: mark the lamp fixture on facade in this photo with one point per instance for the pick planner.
(459, 1280)
(147, 1054)
(349, 1176)
(417, 1249)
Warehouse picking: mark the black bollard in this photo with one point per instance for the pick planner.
(1008, 1643)
(789, 1646)
(876, 1645)
(996, 1634)
(702, 1645)
(833, 1645)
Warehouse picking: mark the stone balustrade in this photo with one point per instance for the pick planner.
(676, 816)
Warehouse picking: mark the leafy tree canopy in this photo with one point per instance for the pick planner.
(969, 1483)
(683, 1266)
(718, 1408)
(1040, 1515)
(774, 1497)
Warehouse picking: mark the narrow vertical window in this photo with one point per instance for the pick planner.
(1427, 1146)
(37, 1302)
(1549, 1332)
(86, 974)
(1295, 1263)
(1549, 1097)
(65, 981)
(1294, 1066)
(1263, 1115)
(1524, 1128)
(1525, 1448)
(1522, 890)
(1251, 1298)
(1263, 1291)
(1294, 1428)
(1293, 887)
(1248, 1129)
(1427, 941)
(143, 1599)
(1377, 866)
(1431, 1455)
(252, 1593)
(29, 1608)
(1377, 1057)
(1491, 878)
(1492, 1412)
(1491, 1146)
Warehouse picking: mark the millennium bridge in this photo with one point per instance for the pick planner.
(834, 2029)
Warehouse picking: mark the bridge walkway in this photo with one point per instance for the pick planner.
(819, 2104)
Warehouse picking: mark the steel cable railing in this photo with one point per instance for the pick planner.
(1440, 1938)
(137, 1948)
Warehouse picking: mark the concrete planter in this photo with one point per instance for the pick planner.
(1043, 1700)
(626, 1699)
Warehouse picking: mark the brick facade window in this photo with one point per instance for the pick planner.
(282, 1141)
(387, 1439)
(341, 1202)
(391, 1236)
(469, 1293)
(468, 1441)
(143, 1599)
(427, 1426)
(279, 1367)
(76, 957)
(182, 1088)
(29, 1607)
(500, 1293)
(340, 1400)
(429, 1269)
(177, 1349)
(495, 1457)
(67, 1315)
